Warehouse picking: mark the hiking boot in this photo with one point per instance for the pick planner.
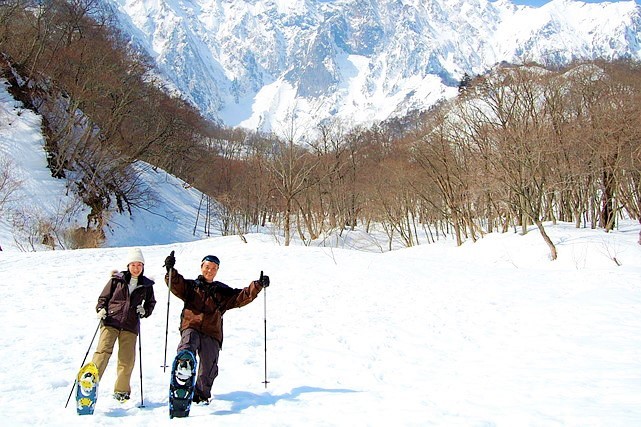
(121, 396)
(183, 372)
(199, 400)
(87, 381)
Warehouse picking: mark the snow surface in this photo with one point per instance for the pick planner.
(491, 333)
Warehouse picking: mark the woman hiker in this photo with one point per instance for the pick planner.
(127, 297)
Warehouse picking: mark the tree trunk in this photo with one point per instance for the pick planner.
(607, 205)
(539, 225)
(288, 212)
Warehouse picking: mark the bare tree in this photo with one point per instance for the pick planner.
(9, 184)
(436, 153)
(291, 167)
(511, 136)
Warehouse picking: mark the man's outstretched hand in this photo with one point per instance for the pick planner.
(170, 261)
(264, 280)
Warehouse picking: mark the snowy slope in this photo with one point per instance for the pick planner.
(173, 206)
(492, 333)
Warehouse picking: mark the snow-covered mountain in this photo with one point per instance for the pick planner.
(264, 64)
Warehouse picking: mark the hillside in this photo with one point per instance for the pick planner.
(41, 199)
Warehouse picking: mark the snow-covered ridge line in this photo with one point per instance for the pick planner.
(259, 63)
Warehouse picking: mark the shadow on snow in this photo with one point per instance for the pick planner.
(125, 411)
(242, 400)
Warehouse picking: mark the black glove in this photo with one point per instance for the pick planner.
(264, 280)
(170, 261)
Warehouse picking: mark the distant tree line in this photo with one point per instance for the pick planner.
(518, 147)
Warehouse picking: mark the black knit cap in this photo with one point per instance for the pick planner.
(211, 258)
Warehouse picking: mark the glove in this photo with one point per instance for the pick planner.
(170, 261)
(264, 280)
(140, 310)
(101, 314)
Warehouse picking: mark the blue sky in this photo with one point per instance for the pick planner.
(542, 2)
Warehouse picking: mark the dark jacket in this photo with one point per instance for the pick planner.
(120, 306)
(205, 303)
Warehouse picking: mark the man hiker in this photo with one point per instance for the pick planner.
(201, 326)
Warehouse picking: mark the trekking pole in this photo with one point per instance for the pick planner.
(142, 401)
(265, 327)
(83, 362)
(164, 365)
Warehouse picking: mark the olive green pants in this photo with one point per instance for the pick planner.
(126, 355)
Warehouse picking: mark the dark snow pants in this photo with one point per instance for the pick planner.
(207, 350)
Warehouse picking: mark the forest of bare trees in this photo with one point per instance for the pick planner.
(519, 147)
(524, 145)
